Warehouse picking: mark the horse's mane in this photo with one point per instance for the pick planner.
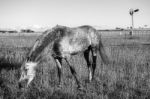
(44, 40)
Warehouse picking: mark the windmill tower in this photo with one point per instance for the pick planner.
(131, 12)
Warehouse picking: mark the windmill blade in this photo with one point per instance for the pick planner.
(136, 10)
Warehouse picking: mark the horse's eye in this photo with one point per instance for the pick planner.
(25, 69)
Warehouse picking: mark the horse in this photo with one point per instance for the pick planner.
(66, 42)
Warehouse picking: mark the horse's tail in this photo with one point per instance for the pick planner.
(103, 53)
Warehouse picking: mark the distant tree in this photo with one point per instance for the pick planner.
(27, 31)
(12, 31)
(145, 26)
(2, 31)
(118, 28)
(8, 31)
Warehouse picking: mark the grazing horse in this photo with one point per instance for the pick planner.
(65, 43)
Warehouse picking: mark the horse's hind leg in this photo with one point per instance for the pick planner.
(88, 61)
(72, 69)
(94, 56)
(59, 65)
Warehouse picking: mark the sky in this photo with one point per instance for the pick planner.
(48, 13)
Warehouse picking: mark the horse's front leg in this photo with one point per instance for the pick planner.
(72, 69)
(88, 61)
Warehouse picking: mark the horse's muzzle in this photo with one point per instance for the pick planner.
(20, 85)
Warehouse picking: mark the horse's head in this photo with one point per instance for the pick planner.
(27, 72)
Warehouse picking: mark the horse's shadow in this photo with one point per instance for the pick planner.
(13, 63)
(4, 65)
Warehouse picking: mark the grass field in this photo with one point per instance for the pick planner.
(126, 77)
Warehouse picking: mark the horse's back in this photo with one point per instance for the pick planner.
(77, 40)
(92, 34)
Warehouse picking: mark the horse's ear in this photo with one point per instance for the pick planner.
(57, 25)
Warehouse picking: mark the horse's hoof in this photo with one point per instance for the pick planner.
(80, 88)
(91, 80)
(20, 85)
(59, 86)
(87, 81)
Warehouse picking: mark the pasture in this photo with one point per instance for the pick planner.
(126, 77)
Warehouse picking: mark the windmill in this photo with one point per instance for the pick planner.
(131, 12)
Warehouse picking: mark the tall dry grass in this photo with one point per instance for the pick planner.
(126, 77)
